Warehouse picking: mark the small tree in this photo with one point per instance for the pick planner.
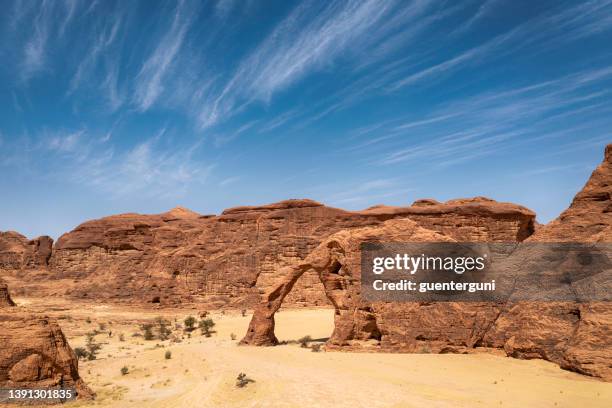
(168, 355)
(124, 370)
(147, 330)
(163, 328)
(206, 325)
(92, 346)
(190, 322)
(81, 352)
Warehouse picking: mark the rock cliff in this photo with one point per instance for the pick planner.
(230, 259)
(577, 336)
(17, 252)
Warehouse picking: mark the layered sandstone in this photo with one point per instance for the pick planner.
(230, 259)
(5, 296)
(17, 252)
(589, 217)
(36, 354)
(576, 335)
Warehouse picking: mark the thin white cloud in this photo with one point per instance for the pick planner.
(149, 168)
(34, 52)
(149, 82)
(299, 45)
(65, 142)
(101, 44)
(71, 7)
(491, 121)
(224, 7)
(540, 33)
(111, 89)
(228, 181)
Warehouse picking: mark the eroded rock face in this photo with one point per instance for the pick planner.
(5, 296)
(230, 259)
(577, 336)
(589, 217)
(408, 327)
(17, 252)
(36, 354)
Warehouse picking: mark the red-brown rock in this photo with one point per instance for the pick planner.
(576, 336)
(5, 296)
(36, 354)
(230, 259)
(17, 252)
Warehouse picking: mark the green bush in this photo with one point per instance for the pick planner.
(242, 380)
(163, 328)
(147, 330)
(81, 352)
(92, 346)
(190, 322)
(124, 370)
(206, 325)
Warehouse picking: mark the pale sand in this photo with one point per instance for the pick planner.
(202, 371)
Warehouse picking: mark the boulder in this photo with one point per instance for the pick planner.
(36, 354)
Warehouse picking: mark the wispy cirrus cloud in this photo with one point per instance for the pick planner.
(149, 81)
(101, 44)
(299, 45)
(71, 7)
(492, 121)
(540, 33)
(35, 48)
(91, 160)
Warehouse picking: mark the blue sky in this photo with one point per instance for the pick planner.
(112, 107)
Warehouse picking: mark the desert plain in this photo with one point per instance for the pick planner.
(202, 370)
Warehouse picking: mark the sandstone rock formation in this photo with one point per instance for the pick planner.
(230, 259)
(589, 217)
(36, 354)
(17, 252)
(577, 336)
(5, 296)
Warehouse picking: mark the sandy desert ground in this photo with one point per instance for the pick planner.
(202, 371)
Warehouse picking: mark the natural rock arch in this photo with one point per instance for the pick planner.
(337, 262)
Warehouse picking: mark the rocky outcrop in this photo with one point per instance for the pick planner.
(230, 259)
(589, 217)
(5, 296)
(577, 336)
(407, 327)
(36, 354)
(17, 252)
